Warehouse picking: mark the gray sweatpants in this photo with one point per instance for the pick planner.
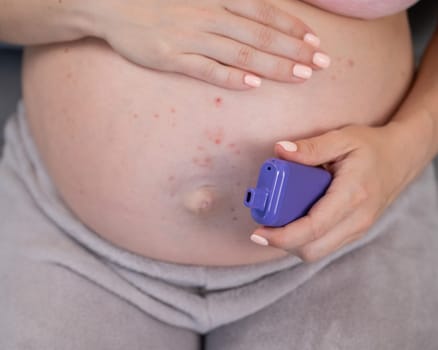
(64, 287)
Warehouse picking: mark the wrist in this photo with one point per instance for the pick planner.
(412, 132)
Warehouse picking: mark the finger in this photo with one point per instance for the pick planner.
(352, 228)
(317, 150)
(338, 202)
(247, 58)
(270, 15)
(212, 72)
(270, 40)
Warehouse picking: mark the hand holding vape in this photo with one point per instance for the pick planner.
(285, 191)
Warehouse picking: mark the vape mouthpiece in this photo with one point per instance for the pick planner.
(256, 198)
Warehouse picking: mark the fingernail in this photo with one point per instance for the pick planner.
(321, 60)
(302, 71)
(259, 240)
(252, 80)
(288, 146)
(312, 40)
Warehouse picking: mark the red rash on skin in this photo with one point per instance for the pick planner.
(171, 178)
(350, 62)
(215, 136)
(173, 110)
(205, 162)
(66, 50)
(218, 101)
(135, 115)
(156, 116)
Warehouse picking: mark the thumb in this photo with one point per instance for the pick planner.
(316, 150)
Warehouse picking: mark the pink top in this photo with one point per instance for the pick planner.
(367, 9)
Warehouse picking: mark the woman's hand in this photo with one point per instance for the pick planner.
(370, 168)
(227, 43)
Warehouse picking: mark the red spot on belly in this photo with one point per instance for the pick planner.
(173, 110)
(200, 148)
(171, 178)
(350, 62)
(233, 148)
(204, 162)
(66, 50)
(218, 101)
(156, 116)
(215, 135)
(135, 115)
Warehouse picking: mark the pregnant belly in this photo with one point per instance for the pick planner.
(159, 163)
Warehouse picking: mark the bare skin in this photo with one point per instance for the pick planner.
(135, 152)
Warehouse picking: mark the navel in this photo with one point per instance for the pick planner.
(200, 200)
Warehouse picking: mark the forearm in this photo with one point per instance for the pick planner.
(30, 22)
(416, 121)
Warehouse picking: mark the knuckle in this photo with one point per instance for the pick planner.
(265, 37)
(281, 69)
(265, 12)
(309, 254)
(310, 147)
(302, 51)
(316, 228)
(229, 78)
(244, 56)
(164, 55)
(208, 71)
(360, 195)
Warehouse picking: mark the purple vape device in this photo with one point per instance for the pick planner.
(285, 191)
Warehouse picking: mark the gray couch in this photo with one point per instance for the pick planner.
(423, 17)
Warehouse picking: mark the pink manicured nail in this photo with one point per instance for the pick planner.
(252, 80)
(288, 146)
(321, 60)
(259, 240)
(312, 40)
(302, 71)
